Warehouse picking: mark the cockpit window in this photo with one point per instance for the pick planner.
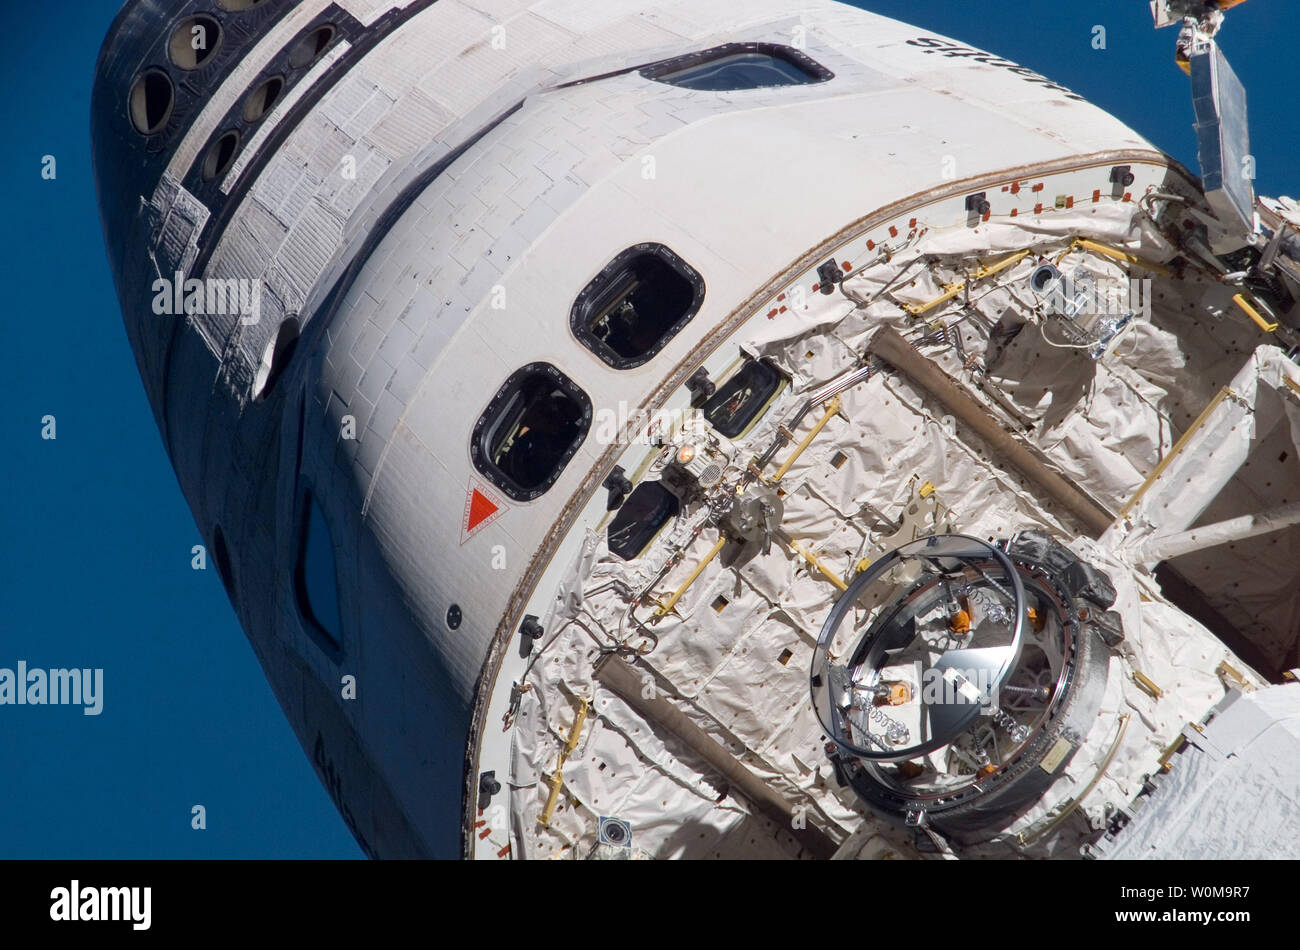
(737, 66)
(741, 398)
(646, 510)
(636, 305)
(315, 576)
(530, 431)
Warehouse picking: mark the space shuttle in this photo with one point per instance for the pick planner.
(722, 428)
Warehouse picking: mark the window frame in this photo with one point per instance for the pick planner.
(781, 382)
(330, 641)
(650, 539)
(815, 71)
(581, 313)
(486, 426)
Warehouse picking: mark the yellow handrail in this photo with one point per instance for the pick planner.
(1242, 301)
(832, 408)
(816, 562)
(952, 290)
(665, 609)
(557, 779)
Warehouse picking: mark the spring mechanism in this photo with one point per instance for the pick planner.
(988, 603)
(1014, 729)
(895, 731)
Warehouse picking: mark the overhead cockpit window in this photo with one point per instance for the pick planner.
(262, 99)
(646, 511)
(151, 102)
(737, 66)
(530, 431)
(636, 305)
(194, 42)
(311, 47)
(741, 398)
(220, 156)
(316, 577)
(276, 357)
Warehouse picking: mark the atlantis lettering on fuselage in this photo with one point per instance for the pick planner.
(334, 785)
(932, 44)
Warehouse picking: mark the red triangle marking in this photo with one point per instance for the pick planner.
(480, 509)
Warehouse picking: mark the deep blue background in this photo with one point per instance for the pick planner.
(94, 534)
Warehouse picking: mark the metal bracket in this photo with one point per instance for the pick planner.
(619, 487)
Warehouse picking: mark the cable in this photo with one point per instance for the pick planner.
(1158, 196)
(868, 301)
(538, 653)
(1042, 331)
(969, 307)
